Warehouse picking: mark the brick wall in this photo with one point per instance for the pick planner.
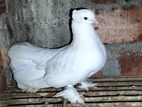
(120, 25)
(130, 63)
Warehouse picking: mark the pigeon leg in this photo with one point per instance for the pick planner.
(87, 84)
(71, 94)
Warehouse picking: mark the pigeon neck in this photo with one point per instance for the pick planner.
(83, 34)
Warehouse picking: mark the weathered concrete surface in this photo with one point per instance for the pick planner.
(42, 22)
(117, 61)
(4, 44)
(2, 7)
(104, 1)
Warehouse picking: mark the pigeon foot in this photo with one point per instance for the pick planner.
(71, 94)
(87, 84)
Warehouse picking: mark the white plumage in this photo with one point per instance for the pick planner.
(34, 67)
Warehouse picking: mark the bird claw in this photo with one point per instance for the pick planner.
(72, 95)
(86, 85)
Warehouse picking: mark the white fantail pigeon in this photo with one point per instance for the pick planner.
(34, 67)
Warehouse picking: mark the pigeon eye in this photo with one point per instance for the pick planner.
(85, 18)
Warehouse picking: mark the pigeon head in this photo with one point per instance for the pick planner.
(84, 16)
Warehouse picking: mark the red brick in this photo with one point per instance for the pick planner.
(130, 63)
(103, 1)
(4, 60)
(122, 25)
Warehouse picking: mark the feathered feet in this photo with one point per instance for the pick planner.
(71, 94)
(87, 84)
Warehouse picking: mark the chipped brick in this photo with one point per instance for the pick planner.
(120, 25)
(130, 63)
(4, 60)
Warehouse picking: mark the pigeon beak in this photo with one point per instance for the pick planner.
(96, 22)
